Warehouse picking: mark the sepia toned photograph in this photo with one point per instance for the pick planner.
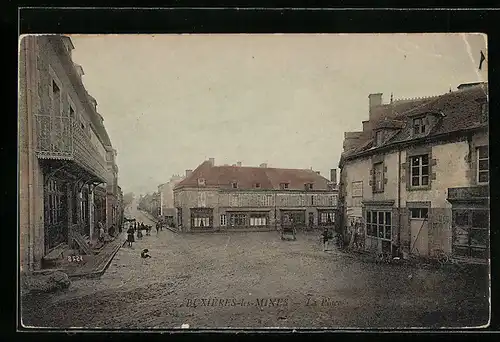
(247, 181)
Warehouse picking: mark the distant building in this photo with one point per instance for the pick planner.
(236, 198)
(416, 178)
(166, 205)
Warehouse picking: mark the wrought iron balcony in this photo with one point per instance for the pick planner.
(62, 138)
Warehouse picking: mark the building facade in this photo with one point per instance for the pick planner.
(62, 144)
(415, 180)
(238, 198)
(166, 197)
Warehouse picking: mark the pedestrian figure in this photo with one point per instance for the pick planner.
(101, 232)
(130, 236)
(144, 253)
(148, 230)
(139, 234)
(157, 227)
(324, 235)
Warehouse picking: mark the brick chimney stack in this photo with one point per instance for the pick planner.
(212, 161)
(238, 164)
(333, 176)
(375, 100)
(264, 165)
(188, 173)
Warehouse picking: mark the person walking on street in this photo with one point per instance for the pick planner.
(157, 227)
(130, 236)
(101, 232)
(324, 235)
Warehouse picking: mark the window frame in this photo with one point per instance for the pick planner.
(478, 160)
(234, 185)
(382, 177)
(420, 167)
(284, 185)
(223, 220)
(422, 126)
(467, 228)
(372, 224)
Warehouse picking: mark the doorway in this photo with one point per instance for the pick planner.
(419, 231)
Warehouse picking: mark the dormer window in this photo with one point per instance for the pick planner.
(284, 186)
(257, 185)
(201, 181)
(378, 138)
(309, 186)
(234, 185)
(419, 126)
(484, 112)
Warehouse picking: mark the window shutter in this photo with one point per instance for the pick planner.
(433, 176)
(433, 162)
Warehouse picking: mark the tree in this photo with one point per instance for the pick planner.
(128, 198)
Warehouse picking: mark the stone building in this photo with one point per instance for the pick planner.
(238, 198)
(63, 148)
(166, 204)
(415, 180)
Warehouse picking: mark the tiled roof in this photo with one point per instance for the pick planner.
(247, 177)
(456, 111)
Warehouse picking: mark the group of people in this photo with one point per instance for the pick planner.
(139, 227)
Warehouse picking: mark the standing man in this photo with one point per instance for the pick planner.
(101, 232)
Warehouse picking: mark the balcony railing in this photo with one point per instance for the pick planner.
(62, 138)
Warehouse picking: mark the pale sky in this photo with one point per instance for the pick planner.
(170, 102)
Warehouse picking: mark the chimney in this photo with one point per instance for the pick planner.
(366, 126)
(263, 165)
(188, 173)
(238, 163)
(319, 173)
(333, 176)
(375, 100)
(212, 161)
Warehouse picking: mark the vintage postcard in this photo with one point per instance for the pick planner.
(254, 181)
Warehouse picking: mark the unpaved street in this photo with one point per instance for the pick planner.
(257, 280)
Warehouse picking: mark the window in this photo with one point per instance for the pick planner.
(234, 201)
(470, 233)
(312, 200)
(71, 112)
(419, 126)
(326, 218)
(378, 138)
(238, 219)
(268, 201)
(379, 224)
(258, 220)
(309, 186)
(484, 112)
(284, 186)
(234, 185)
(257, 185)
(56, 99)
(378, 177)
(201, 218)
(419, 173)
(223, 220)
(201, 181)
(482, 165)
(419, 213)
